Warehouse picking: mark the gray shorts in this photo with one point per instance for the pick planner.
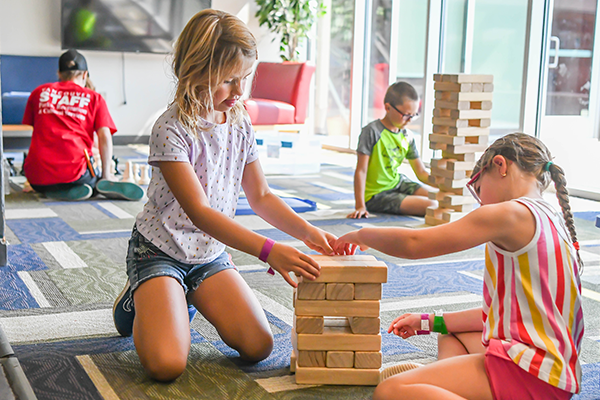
(146, 261)
(389, 201)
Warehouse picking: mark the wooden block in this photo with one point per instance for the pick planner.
(453, 105)
(310, 291)
(463, 131)
(452, 165)
(438, 77)
(449, 174)
(356, 257)
(452, 87)
(340, 359)
(476, 87)
(466, 148)
(437, 146)
(335, 308)
(337, 376)
(483, 140)
(442, 112)
(451, 122)
(451, 216)
(293, 359)
(340, 291)
(352, 271)
(432, 221)
(336, 321)
(462, 208)
(368, 359)
(488, 87)
(451, 201)
(470, 114)
(311, 358)
(435, 212)
(367, 291)
(304, 324)
(482, 123)
(459, 157)
(365, 325)
(446, 139)
(467, 78)
(337, 338)
(447, 183)
(480, 105)
(464, 96)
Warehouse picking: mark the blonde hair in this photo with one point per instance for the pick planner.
(211, 48)
(64, 76)
(532, 156)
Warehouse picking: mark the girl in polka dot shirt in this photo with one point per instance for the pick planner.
(203, 152)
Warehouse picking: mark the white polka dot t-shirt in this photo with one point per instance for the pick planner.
(218, 156)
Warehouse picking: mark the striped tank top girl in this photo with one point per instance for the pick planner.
(532, 301)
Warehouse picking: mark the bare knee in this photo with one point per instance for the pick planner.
(258, 348)
(164, 366)
(388, 389)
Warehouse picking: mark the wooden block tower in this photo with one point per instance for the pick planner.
(461, 120)
(336, 335)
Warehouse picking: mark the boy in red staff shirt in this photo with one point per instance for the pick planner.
(64, 116)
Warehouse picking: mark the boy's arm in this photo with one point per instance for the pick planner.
(105, 145)
(420, 171)
(360, 178)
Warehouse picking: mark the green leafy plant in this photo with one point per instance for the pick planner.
(291, 19)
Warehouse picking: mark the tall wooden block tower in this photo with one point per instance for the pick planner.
(461, 120)
(336, 335)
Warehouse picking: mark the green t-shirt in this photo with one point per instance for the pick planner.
(386, 151)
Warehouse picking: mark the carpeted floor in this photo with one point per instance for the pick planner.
(67, 264)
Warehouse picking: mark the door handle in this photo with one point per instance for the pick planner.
(556, 41)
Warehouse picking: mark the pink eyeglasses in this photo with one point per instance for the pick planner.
(472, 182)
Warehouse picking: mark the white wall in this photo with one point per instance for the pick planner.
(32, 28)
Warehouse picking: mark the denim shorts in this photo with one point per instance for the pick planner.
(146, 261)
(389, 201)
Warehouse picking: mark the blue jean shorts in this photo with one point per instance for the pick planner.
(146, 261)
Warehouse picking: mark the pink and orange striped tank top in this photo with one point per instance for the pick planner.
(532, 301)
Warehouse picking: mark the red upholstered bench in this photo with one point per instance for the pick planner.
(280, 93)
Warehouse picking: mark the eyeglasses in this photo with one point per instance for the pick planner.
(471, 187)
(406, 117)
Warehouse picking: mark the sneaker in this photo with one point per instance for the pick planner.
(398, 369)
(120, 190)
(79, 192)
(124, 312)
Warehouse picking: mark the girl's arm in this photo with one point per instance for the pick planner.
(509, 225)
(188, 191)
(470, 320)
(277, 213)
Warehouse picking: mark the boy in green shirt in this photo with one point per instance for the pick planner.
(382, 146)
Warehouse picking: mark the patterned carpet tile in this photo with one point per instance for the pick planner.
(42, 230)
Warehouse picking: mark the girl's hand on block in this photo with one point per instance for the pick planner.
(349, 243)
(285, 259)
(405, 325)
(321, 241)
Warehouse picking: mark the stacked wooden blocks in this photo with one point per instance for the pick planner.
(336, 336)
(461, 120)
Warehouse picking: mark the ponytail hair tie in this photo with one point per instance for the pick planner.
(576, 245)
(547, 166)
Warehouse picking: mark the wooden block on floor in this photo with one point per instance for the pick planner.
(465, 96)
(434, 212)
(336, 321)
(467, 78)
(337, 308)
(312, 358)
(340, 291)
(340, 359)
(433, 221)
(448, 174)
(365, 325)
(368, 359)
(452, 87)
(357, 257)
(293, 359)
(337, 338)
(307, 290)
(337, 376)
(367, 291)
(459, 157)
(352, 271)
(304, 324)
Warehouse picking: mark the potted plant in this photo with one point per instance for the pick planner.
(292, 19)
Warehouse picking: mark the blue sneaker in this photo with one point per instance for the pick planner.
(75, 193)
(124, 312)
(120, 190)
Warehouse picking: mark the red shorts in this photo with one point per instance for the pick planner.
(509, 381)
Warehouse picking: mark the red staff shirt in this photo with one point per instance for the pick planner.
(64, 117)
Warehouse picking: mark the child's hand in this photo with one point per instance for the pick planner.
(359, 213)
(321, 241)
(405, 325)
(285, 259)
(348, 243)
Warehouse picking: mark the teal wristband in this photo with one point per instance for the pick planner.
(439, 325)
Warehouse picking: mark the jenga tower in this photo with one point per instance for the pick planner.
(336, 335)
(461, 120)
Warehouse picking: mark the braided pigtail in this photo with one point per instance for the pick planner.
(560, 183)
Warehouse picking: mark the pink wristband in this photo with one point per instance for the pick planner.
(264, 253)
